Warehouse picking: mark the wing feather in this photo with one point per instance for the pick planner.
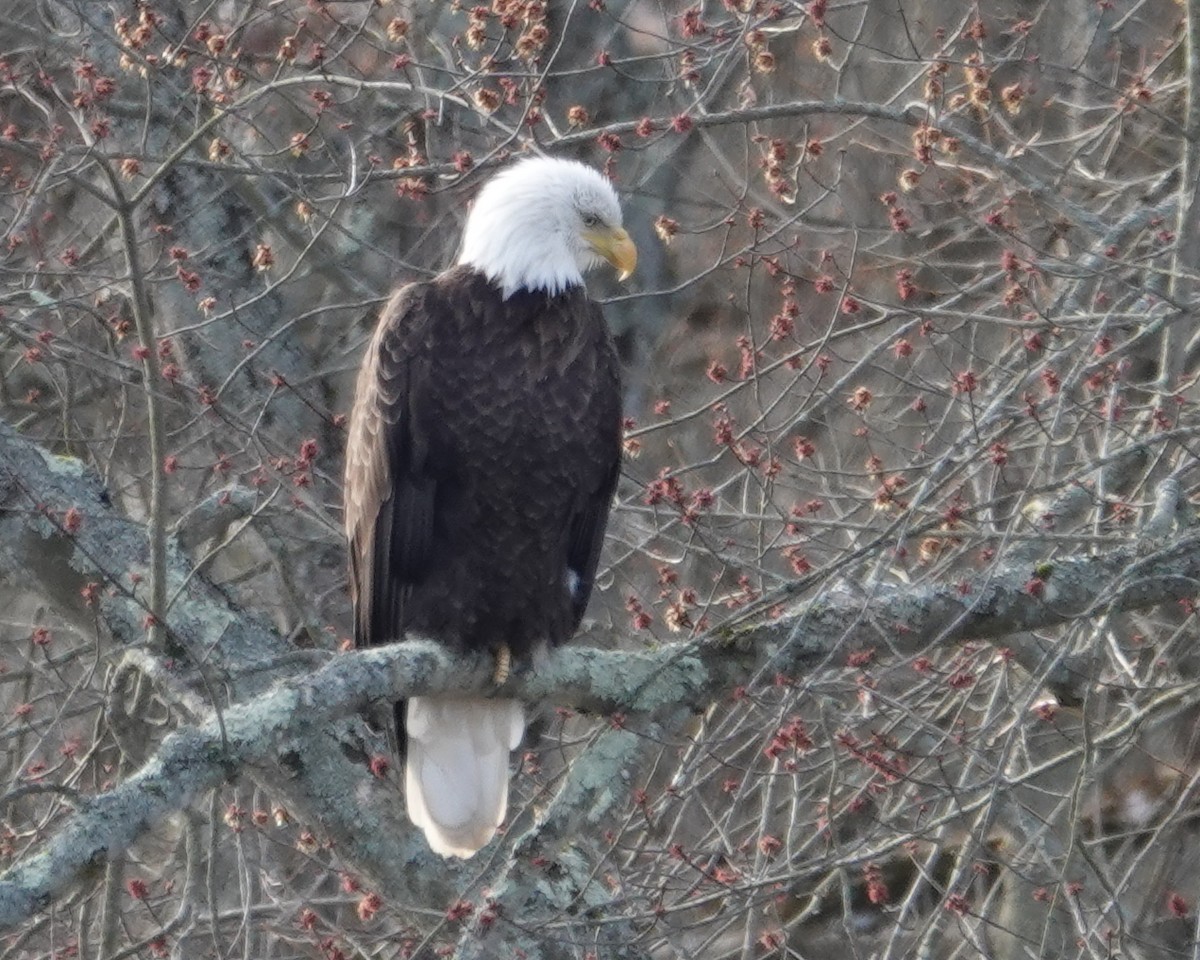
(585, 538)
(390, 491)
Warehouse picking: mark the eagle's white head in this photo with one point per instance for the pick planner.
(542, 223)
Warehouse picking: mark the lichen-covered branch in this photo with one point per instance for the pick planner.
(284, 738)
(213, 649)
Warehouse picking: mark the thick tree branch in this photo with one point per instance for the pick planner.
(214, 650)
(801, 639)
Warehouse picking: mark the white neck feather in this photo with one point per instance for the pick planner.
(506, 242)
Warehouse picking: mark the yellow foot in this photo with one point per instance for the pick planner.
(503, 664)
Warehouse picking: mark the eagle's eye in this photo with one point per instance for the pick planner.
(591, 220)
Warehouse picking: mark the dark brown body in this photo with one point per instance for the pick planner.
(484, 449)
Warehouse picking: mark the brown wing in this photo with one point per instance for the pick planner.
(586, 535)
(587, 539)
(390, 485)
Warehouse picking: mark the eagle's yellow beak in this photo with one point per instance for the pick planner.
(615, 246)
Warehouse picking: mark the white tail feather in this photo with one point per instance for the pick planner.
(456, 769)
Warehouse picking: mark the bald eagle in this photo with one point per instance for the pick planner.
(484, 449)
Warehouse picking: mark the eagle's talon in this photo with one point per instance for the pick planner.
(503, 665)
